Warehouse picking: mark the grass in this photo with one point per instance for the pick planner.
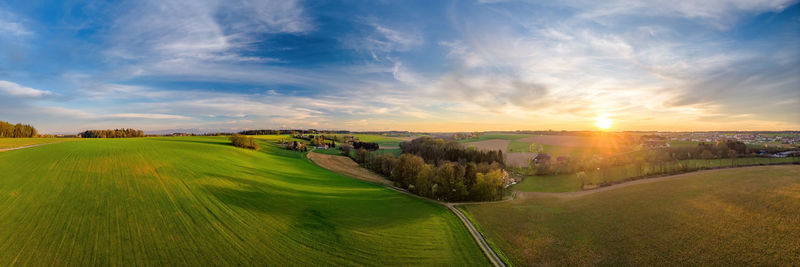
(724, 217)
(556, 151)
(21, 142)
(383, 141)
(485, 137)
(201, 201)
(677, 143)
(570, 182)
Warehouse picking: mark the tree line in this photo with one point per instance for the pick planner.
(465, 178)
(244, 141)
(116, 133)
(435, 150)
(18, 130)
(644, 161)
(290, 132)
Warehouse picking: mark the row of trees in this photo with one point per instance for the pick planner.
(291, 132)
(365, 145)
(244, 141)
(644, 159)
(296, 146)
(438, 169)
(18, 130)
(435, 150)
(447, 181)
(116, 133)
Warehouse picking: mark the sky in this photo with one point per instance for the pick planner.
(484, 65)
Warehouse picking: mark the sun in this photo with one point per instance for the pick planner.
(603, 122)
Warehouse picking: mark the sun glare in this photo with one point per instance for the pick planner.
(603, 122)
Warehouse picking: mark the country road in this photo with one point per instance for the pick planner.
(493, 258)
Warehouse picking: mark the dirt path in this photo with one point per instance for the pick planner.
(575, 194)
(15, 148)
(346, 166)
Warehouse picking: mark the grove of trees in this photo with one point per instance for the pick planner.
(16, 130)
(438, 169)
(244, 141)
(116, 133)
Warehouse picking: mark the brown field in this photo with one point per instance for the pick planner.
(346, 166)
(493, 144)
(519, 159)
(735, 217)
(572, 141)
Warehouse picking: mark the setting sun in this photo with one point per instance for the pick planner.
(603, 122)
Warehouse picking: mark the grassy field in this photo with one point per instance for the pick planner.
(490, 136)
(21, 142)
(383, 141)
(683, 143)
(724, 217)
(570, 182)
(200, 201)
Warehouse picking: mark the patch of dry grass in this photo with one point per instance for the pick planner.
(724, 217)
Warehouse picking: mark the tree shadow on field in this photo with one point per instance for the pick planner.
(316, 225)
(363, 211)
(222, 143)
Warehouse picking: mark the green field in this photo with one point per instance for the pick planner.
(553, 150)
(200, 201)
(683, 143)
(21, 142)
(570, 182)
(491, 136)
(728, 217)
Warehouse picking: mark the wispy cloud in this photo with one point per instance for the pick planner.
(11, 25)
(17, 90)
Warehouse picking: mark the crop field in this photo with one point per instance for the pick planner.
(568, 145)
(200, 201)
(22, 142)
(746, 216)
(491, 144)
(571, 182)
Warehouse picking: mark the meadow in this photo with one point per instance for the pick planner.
(201, 201)
(571, 182)
(744, 216)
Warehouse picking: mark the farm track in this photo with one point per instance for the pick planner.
(348, 167)
(15, 148)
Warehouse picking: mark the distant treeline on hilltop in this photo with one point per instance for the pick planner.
(16, 131)
(309, 131)
(116, 133)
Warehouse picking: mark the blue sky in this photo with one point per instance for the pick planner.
(401, 65)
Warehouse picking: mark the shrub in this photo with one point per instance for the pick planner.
(244, 141)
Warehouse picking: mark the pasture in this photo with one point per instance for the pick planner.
(200, 201)
(571, 182)
(746, 216)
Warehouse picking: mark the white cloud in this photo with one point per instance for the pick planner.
(717, 13)
(11, 25)
(206, 30)
(152, 116)
(14, 89)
